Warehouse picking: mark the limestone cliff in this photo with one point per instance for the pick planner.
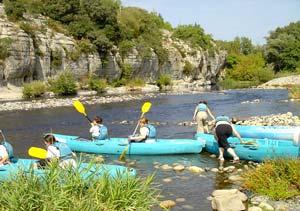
(31, 57)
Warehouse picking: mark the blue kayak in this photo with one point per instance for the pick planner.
(261, 149)
(117, 145)
(271, 132)
(17, 165)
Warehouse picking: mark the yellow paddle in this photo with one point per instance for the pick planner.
(37, 152)
(145, 108)
(80, 108)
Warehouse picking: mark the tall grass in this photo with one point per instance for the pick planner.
(278, 179)
(60, 189)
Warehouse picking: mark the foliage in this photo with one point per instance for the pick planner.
(188, 69)
(295, 93)
(283, 47)
(5, 44)
(33, 89)
(96, 83)
(278, 179)
(163, 80)
(229, 83)
(126, 71)
(194, 35)
(65, 189)
(248, 67)
(56, 58)
(125, 47)
(63, 84)
(14, 9)
(240, 45)
(136, 82)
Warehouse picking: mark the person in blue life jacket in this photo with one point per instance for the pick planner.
(57, 151)
(222, 131)
(98, 130)
(200, 116)
(147, 131)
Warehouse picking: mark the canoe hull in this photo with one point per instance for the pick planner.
(10, 171)
(271, 132)
(263, 149)
(117, 146)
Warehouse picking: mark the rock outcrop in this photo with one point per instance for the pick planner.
(32, 54)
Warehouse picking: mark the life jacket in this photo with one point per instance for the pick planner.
(103, 132)
(223, 118)
(202, 107)
(152, 131)
(64, 150)
(9, 149)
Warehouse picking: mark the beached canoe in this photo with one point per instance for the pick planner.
(271, 132)
(117, 145)
(261, 150)
(17, 165)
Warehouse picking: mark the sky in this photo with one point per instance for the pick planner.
(226, 19)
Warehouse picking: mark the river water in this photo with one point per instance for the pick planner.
(25, 128)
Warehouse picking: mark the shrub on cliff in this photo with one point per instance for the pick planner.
(33, 89)
(97, 84)
(63, 84)
(163, 80)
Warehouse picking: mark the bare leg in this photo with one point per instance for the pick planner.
(221, 153)
(232, 153)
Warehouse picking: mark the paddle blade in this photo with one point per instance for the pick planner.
(122, 156)
(146, 107)
(37, 152)
(79, 107)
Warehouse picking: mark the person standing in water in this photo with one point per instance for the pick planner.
(200, 116)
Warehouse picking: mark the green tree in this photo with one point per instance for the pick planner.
(283, 47)
(193, 34)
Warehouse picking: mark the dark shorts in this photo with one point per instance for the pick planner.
(223, 132)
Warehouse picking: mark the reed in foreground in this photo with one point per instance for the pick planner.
(60, 189)
(279, 179)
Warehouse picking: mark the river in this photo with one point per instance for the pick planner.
(24, 129)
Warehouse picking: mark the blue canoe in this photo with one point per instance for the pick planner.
(271, 132)
(263, 149)
(17, 165)
(117, 145)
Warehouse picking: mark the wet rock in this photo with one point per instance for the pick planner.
(188, 207)
(179, 168)
(180, 200)
(228, 200)
(195, 169)
(266, 206)
(167, 204)
(254, 208)
(166, 167)
(167, 180)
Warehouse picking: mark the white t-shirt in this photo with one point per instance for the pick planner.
(3, 152)
(53, 152)
(144, 131)
(95, 131)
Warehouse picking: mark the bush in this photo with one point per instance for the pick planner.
(63, 84)
(33, 89)
(188, 69)
(278, 179)
(97, 84)
(136, 82)
(230, 83)
(295, 93)
(65, 190)
(265, 74)
(163, 80)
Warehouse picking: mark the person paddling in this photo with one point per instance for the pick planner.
(146, 131)
(98, 130)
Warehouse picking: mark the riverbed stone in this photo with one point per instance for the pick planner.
(255, 208)
(195, 169)
(167, 204)
(266, 206)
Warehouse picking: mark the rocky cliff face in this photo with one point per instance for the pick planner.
(31, 57)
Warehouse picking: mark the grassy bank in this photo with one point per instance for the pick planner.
(66, 190)
(279, 179)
